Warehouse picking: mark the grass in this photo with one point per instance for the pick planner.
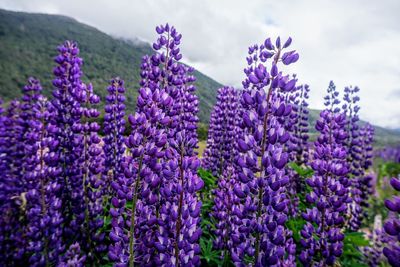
(202, 147)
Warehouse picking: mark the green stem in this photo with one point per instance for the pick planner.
(262, 170)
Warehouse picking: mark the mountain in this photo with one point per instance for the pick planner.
(28, 44)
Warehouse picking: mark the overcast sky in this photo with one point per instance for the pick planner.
(352, 42)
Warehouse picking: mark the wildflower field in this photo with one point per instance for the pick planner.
(134, 190)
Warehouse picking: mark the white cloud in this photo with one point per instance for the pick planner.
(350, 42)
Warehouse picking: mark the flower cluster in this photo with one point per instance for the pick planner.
(373, 252)
(260, 215)
(297, 146)
(12, 194)
(354, 152)
(155, 210)
(91, 163)
(389, 154)
(181, 206)
(297, 125)
(70, 195)
(221, 151)
(366, 181)
(43, 204)
(67, 100)
(322, 238)
(392, 226)
(114, 127)
(79, 153)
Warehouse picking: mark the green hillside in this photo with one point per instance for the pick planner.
(28, 45)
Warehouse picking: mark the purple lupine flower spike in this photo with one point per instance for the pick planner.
(43, 204)
(114, 127)
(160, 170)
(354, 155)
(67, 102)
(297, 146)
(261, 212)
(373, 252)
(321, 237)
(92, 169)
(221, 151)
(12, 187)
(73, 257)
(79, 152)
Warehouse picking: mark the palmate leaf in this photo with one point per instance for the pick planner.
(209, 255)
(352, 255)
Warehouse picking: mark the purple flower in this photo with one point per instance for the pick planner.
(221, 151)
(161, 224)
(392, 227)
(297, 146)
(260, 213)
(79, 153)
(73, 257)
(43, 209)
(322, 238)
(114, 127)
(67, 100)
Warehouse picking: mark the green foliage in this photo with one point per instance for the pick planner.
(210, 182)
(209, 255)
(389, 169)
(295, 225)
(352, 255)
(304, 172)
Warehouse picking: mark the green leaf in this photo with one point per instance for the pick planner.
(296, 225)
(356, 239)
(302, 171)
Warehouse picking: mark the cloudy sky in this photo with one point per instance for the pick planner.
(352, 42)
